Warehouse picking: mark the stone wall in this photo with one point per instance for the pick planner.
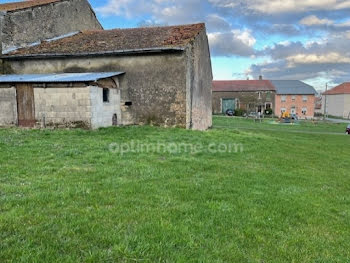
(22, 27)
(154, 84)
(201, 88)
(244, 100)
(63, 106)
(8, 106)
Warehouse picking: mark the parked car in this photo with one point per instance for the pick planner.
(348, 130)
(230, 112)
(294, 117)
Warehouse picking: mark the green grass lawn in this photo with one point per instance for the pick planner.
(66, 197)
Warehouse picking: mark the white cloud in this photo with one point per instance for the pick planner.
(285, 6)
(329, 58)
(313, 20)
(235, 42)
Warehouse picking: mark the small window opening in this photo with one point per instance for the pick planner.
(128, 103)
(105, 95)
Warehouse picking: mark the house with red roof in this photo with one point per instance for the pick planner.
(336, 101)
(247, 95)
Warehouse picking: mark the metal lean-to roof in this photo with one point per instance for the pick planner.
(293, 87)
(58, 78)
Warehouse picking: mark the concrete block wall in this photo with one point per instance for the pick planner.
(102, 112)
(63, 106)
(8, 106)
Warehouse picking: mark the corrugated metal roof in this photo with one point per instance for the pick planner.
(59, 77)
(293, 87)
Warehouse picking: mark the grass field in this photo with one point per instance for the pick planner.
(71, 196)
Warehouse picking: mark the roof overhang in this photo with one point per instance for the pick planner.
(94, 54)
(58, 78)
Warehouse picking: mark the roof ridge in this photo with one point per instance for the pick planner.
(101, 40)
(140, 28)
(20, 5)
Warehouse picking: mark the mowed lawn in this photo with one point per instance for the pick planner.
(283, 197)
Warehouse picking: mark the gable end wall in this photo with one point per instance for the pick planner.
(30, 25)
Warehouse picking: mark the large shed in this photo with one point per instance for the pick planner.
(89, 100)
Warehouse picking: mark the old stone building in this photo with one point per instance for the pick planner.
(29, 22)
(248, 95)
(168, 75)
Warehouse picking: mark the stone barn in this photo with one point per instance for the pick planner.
(252, 96)
(29, 22)
(168, 74)
(89, 100)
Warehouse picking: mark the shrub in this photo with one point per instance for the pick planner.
(268, 112)
(239, 112)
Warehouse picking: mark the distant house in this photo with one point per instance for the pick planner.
(337, 101)
(248, 95)
(295, 97)
(167, 80)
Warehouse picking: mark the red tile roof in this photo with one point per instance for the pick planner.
(106, 41)
(243, 85)
(341, 89)
(25, 4)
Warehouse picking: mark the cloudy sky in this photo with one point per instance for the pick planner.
(279, 39)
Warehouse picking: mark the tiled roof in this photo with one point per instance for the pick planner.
(341, 89)
(25, 4)
(107, 41)
(293, 87)
(242, 85)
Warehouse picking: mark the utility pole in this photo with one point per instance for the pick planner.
(325, 103)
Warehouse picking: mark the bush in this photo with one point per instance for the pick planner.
(239, 112)
(268, 112)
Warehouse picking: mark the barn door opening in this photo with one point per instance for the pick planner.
(228, 104)
(25, 105)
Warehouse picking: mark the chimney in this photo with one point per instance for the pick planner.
(260, 77)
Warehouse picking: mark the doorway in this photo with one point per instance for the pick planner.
(228, 104)
(25, 105)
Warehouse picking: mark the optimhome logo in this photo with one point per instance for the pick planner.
(174, 148)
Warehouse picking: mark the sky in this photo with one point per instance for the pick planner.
(307, 40)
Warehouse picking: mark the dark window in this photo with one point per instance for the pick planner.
(105, 95)
(128, 103)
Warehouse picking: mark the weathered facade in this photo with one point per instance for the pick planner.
(64, 100)
(25, 23)
(167, 77)
(248, 95)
